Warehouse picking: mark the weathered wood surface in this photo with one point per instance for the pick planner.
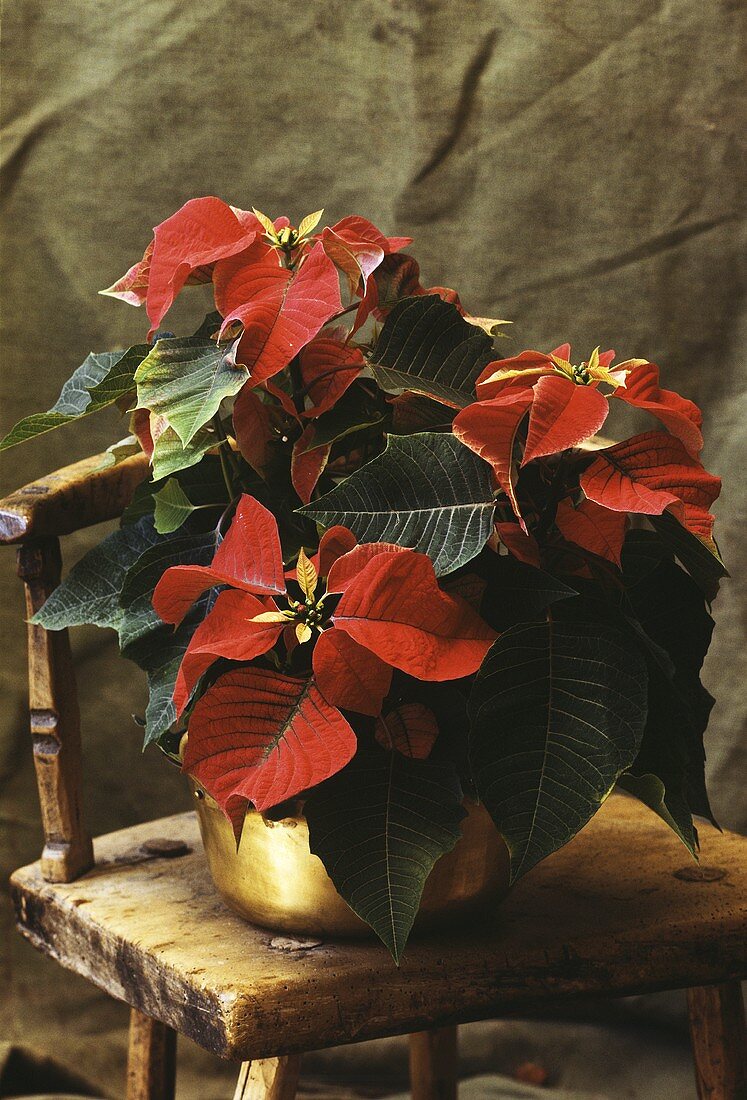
(719, 1041)
(151, 1059)
(55, 722)
(71, 498)
(269, 1079)
(609, 914)
(434, 1065)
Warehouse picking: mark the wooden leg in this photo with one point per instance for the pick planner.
(717, 1032)
(268, 1079)
(55, 723)
(433, 1064)
(151, 1059)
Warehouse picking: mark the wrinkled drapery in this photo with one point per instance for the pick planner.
(574, 166)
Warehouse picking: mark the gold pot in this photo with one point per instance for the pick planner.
(274, 881)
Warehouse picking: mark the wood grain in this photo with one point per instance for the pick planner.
(55, 723)
(151, 1059)
(719, 1042)
(71, 498)
(269, 1079)
(434, 1064)
(605, 915)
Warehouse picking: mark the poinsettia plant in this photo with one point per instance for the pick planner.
(379, 569)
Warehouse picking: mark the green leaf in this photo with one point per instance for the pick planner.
(160, 713)
(557, 714)
(169, 456)
(203, 484)
(209, 328)
(159, 653)
(90, 592)
(642, 551)
(650, 790)
(427, 347)
(347, 416)
(517, 592)
(143, 576)
(670, 609)
(185, 381)
(378, 827)
(119, 451)
(704, 566)
(426, 491)
(99, 381)
(172, 507)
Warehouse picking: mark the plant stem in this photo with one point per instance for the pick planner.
(343, 312)
(297, 386)
(547, 516)
(229, 469)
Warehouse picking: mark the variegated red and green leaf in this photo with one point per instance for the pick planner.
(133, 286)
(356, 257)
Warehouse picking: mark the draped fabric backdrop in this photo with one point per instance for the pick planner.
(574, 165)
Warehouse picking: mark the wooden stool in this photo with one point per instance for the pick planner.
(618, 911)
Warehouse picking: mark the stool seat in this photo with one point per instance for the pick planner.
(621, 909)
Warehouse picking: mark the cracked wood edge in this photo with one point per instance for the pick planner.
(71, 498)
(223, 983)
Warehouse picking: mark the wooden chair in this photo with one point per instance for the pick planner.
(618, 911)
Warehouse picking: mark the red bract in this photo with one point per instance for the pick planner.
(327, 366)
(395, 608)
(592, 527)
(261, 737)
(391, 613)
(565, 406)
(489, 428)
(357, 248)
(249, 558)
(398, 276)
(308, 463)
(184, 248)
(252, 428)
(519, 542)
(651, 473)
(562, 415)
(678, 415)
(280, 309)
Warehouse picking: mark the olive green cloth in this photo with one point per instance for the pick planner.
(574, 165)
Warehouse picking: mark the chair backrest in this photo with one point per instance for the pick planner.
(34, 518)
